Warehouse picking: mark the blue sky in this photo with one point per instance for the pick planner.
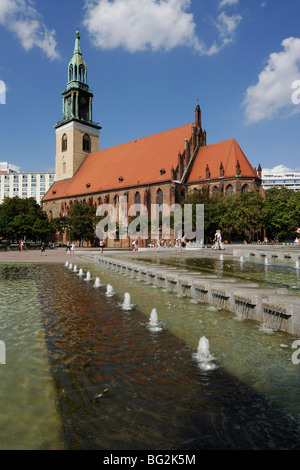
(149, 62)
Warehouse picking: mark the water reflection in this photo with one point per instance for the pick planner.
(265, 273)
(120, 385)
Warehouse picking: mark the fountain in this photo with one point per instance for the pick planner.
(266, 262)
(127, 305)
(297, 266)
(70, 266)
(75, 269)
(109, 291)
(221, 257)
(80, 272)
(241, 259)
(203, 356)
(97, 282)
(88, 276)
(67, 263)
(153, 321)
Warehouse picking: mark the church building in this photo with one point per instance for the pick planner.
(161, 168)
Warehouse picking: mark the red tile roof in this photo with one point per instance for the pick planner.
(227, 152)
(138, 162)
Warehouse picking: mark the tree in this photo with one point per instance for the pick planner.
(234, 215)
(82, 222)
(281, 213)
(20, 218)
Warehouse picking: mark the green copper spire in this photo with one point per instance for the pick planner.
(77, 97)
(77, 49)
(77, 71)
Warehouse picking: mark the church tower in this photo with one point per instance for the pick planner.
(76, 134)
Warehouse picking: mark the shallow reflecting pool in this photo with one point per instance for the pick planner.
(266, 273)
(82, 372)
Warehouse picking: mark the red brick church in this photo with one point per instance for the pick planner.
(161, 168)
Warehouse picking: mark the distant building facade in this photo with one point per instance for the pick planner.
(157, 169)
(281, 176)
(24, 185)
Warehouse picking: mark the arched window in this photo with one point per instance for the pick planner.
(99, 201)
(214, 190)
(245, 188)
(116, 199)
(229, 190)
(81, 73)
(86, 143)
(64, 143)
(70, 73)
(159, 197)
(137, 198)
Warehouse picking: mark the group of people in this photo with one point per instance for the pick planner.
(70, 248)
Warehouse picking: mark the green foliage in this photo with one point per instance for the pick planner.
(281, 213)
(241, 216)
(20, 218)
(82, 222)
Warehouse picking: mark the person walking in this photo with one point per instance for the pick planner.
(101, 246)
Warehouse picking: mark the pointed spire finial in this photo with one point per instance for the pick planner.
(77, 49)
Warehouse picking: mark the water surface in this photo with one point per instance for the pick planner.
(103, 380)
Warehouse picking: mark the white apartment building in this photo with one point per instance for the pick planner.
(24, 185)
(281, 176)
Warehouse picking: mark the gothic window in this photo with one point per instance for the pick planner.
(64, 143)
(81, 73)
(159, 197)
(137, 198)
(229, 190)
(116, 199)
(245, 188)
(70, 73)
(86, 143)
(214, 190)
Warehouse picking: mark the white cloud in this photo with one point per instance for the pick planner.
(279, 170)
(25, 22)
(227, 26)
(273, 91)
(4, 166)
(225, 3)
(138, 25)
